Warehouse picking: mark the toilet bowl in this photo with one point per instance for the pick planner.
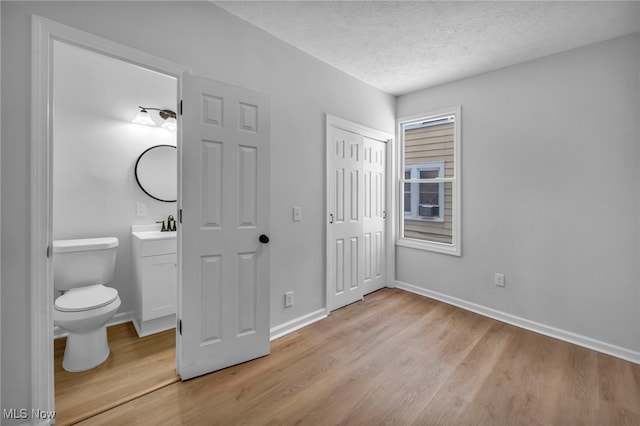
(81, 268)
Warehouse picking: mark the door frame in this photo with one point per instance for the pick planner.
(390, 189)
(44, 32)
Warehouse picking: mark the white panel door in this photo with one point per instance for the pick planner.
(346, 257)
(374, 214)
(224, 304)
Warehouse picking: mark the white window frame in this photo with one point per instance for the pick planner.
(454, 248)
(415, 169)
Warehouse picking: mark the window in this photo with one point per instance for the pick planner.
(430, 180)
(424, 201)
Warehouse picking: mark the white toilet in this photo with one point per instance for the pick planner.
(80, 269)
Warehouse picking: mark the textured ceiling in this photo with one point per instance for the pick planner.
(402, 46)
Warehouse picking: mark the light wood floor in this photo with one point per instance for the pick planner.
(399, 358)
(136, 366)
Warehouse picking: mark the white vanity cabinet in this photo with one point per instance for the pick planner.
(155, 265)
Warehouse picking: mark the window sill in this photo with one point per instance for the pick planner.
(429, 246)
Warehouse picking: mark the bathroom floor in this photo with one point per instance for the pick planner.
(135, 367)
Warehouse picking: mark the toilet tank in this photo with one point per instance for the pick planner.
(83, 262)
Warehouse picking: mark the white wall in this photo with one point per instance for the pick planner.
(218, 46)
(95, 148)
(549, 192)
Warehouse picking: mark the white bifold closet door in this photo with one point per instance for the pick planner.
(224, 306)
(357, 216)
(374, 214)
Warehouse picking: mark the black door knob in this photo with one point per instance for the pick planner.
(263, 239)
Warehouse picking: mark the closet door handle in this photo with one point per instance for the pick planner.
(330, 217)
(263, 239)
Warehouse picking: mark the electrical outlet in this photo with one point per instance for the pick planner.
(297, 214)
(141, 208)
(499, 280)
(288, 299)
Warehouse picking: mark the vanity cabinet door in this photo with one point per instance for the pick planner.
(159, 277)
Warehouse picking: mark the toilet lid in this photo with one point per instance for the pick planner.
(85, 298)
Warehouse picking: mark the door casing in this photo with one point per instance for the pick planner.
(44, 32)
(390, 196)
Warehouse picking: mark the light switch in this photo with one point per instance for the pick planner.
(297, 214)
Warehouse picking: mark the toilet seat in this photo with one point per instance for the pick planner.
(86, 298)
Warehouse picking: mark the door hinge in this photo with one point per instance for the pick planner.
(180, 215)
(180, 106)
(384, 214)
(48, 251)
(180, 326)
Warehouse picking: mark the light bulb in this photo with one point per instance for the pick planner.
(170, 124)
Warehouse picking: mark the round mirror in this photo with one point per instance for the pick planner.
(157, 172)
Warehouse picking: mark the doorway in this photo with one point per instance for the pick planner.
(219, 119)
(359, 222)
(96, 147)
(44, 33)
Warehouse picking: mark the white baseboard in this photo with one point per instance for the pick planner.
(567, 336)
(297, 323)
(119, 318)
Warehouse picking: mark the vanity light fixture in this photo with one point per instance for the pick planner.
(168, 117)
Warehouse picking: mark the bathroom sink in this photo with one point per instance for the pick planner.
(155, 235)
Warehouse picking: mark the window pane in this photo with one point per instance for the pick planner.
(429, 174)
(407, 192)
(420, 228)
(427, 145)
(428, 151)
(429, 197)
